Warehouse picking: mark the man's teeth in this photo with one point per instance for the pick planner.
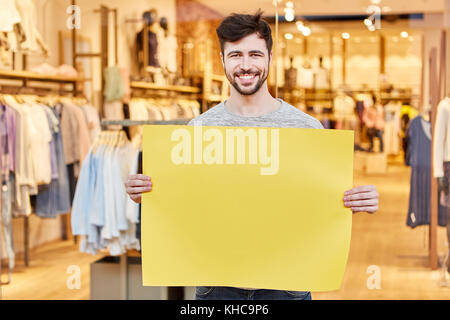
(246, 76)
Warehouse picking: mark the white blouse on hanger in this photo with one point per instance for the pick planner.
(441, 140)
(8, 15)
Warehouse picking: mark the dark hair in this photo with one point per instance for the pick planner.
(237, 26)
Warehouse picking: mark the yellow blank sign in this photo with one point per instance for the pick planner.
(246, 207)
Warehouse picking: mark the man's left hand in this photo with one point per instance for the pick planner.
(362, 199)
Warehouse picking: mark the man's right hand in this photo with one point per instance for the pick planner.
(137, 184)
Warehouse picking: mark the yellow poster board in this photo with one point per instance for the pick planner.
(246, 207)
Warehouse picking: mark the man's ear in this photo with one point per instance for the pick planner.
(221, 59)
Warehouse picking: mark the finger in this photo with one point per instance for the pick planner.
(139, 177)
(372, 209)
(362, 196)
(361, 203)
(360, 189)
(138, 183)
(136, 198)
(138, 190)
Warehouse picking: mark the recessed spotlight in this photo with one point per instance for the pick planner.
(372, 28)
(306, 31)
(368, 22)
(288, 36)
(345, 35)
(289, 14)
(404, 34)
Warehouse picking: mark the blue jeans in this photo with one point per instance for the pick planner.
(231, 293)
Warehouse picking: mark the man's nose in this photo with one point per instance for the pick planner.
(245, 63)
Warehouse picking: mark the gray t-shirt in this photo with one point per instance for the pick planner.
(286, 116)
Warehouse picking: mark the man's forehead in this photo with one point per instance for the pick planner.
(249, 43)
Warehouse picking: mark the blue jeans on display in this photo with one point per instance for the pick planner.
(231, 293)
(6, 219)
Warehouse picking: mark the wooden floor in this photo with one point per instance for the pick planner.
(382, 240)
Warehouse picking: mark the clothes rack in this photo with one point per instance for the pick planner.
(28, 83)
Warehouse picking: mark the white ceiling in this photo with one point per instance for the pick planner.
(325, 7)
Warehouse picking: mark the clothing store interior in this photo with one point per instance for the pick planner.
(76, 78)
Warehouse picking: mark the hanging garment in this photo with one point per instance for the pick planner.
(69, 132)
(114, 86)
(54, 198)
(33, 39)
(152, 47)
(93, 120)
(305, 78)
(392, 128)
(344, 112)
(24, 180)
(9, 16)
(168, 53)
(40, 151)
(441, 139)
(290, 78)
(419, 158)
(100, 212)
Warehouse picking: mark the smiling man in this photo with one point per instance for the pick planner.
(246, 53)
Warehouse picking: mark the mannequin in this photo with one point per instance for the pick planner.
(344, 111)
(305, 78)
(321, 77)
(150, 17)
(290, 75)
(441, 156)
(168, 49)
(374, 120)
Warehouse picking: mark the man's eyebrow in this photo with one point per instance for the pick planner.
(251, 52)
(257, 51)
(232, 52)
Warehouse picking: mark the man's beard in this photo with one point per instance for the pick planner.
(262, 79)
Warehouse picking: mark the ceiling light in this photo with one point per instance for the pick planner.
(372, 28)
(300, 25)
(404, 34)
(289, 14)
(345, 35)
(288, 36)
(306, 31)
(368, 22)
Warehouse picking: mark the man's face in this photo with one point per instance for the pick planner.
(246, 63)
